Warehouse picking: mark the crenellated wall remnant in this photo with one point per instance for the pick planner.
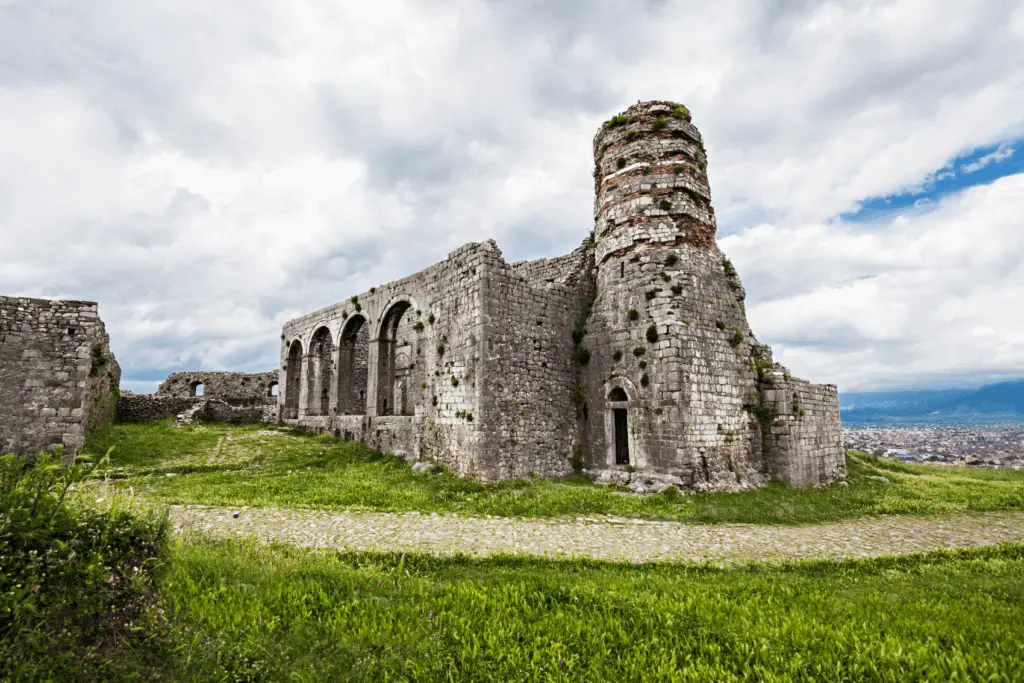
(58, 377)
(630, 358)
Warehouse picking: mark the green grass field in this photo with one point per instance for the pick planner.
(255, 466)
(249, 612)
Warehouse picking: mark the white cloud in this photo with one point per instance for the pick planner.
(1002, 153)
(207, 171)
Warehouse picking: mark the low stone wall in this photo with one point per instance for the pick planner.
(236, 388)
(151, 407)
(803, 445)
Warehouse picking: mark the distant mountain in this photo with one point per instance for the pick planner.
(999, 402)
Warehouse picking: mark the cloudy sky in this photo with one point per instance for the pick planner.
(207, 171)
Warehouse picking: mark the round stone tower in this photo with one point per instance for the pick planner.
(672, 374)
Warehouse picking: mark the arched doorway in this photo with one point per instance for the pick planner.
(393, 364)
(620, 424)
(353, 366)
(293, 381)
(319, 373)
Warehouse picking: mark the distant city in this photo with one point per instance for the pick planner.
(987, 446)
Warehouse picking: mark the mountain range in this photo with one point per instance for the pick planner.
(1000, 402)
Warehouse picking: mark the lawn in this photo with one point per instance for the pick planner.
(251, 612)
(258, 466)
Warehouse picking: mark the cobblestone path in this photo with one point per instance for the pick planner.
(607, 538)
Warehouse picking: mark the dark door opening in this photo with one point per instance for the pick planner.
(621, 437)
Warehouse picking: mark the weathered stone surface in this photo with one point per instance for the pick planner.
(58, 378)
(226, 397)
(633, 351)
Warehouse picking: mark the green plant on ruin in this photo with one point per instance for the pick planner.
(578, 333)
(677, 289)
(355, 303)
(801, 412)
(372, 290)
(620, 163)
(646, 170)
(639, 351)
(418, 326)
(423, 384)
(765, 414)
(761, 362)
(577, 397)
(659, 123)
(632, 314)
(671, 260)
(440, 349)
(679, 169)
(632, 134)
(736, 338)
(630, 469)
(680, 112)
(642, 364)
(727, 266)
(431, 319)
(666, 277)
(617, 355)
(455, 381)
(652, 334)
(581, 355)
(433, 401)
(719, 324)
(99, 360)
(619, 120)
(651, 293)
(658, 411)
(665, 205)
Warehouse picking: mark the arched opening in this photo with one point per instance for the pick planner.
(621, 436)
(353, 366)
(272, 391)
(618, 394)
(319, 373)
(293, 381)
(197, 389)
(393, 362)
(617, 427)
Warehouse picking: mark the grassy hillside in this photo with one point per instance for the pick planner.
(256, 466)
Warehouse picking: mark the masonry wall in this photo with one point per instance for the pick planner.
(803, 442)
(439, 338)
(236, 388)
(133, 407)
(58, 378)
(530, 417)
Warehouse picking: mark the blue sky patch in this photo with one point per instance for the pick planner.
(981, 166)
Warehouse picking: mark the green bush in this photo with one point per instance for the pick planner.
(632, 314)
(671, 260)
(617, 355)
(581, 355)
(652, 334)
(644, 380)
(665, 205)
(659, 123)
(677, 289)
(681, 112)
(619, 120)
(620, 163)
(74, 580)
(639, 351)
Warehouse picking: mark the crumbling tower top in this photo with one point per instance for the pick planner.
(650, 181)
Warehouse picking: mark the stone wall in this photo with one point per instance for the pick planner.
(803, 440)
(236, 388)
(151, 407)
(58, 378)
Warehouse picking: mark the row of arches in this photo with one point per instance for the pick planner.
(336, 374)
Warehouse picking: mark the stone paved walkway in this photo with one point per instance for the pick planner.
(607, 538)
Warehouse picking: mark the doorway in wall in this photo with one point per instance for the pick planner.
(621, 436)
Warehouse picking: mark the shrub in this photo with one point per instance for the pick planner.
(665, 205)
(418, 326)
(618, 120)
(736, 338)
(73, 581)
(577, 398)
(679, 169)
(719, 324)
(617, 356)
(440, 349)
(659, 123)
(431, 318)
(632, 133)
(677, 289)
(642, 364)
(671, 260)
(620, 163)
(372, 290)
(666, 277)
(99, 360)
(728, 267)
(455, 381)
(639, 351)
(652, 334)
(576, 459)
(632, 314)
(581, 355)
(681, 112)
(650, 294)
(577, 334)
(644, 380)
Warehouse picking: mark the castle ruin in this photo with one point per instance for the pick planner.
(629, 358)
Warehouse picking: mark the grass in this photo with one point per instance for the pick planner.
(251, 612)
(251, 465)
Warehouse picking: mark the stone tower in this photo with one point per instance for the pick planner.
(677, 385)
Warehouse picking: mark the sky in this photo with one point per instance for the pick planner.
(207, 171)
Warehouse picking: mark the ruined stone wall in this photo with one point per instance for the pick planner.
(133, 407)
(803, 440)
(559, 269)
(529, 412)
(437, 360)
(58, 378)
(236, 388)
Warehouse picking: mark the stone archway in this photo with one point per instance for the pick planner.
(292, 381)
(319, 372)
(353, 365)
(620, 407)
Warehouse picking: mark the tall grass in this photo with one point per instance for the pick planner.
(250, 465)
(250, 612)
(75, 580)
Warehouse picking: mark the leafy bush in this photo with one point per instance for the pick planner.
(719, 324)
(650, 294)
(659, 123)
(620, 163)
(617, 355)
(619, 120)
(665, 205)
(632, 314)
(644, 380)
(736, 338)
(677, 289)
(639, 351)
(418, 326)
(431, 318)
(671, 260)
(632, 134)
(581, 355)
(727, 266)
(652, 334)
(681, 112)
(455, 381)
(74, 580)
